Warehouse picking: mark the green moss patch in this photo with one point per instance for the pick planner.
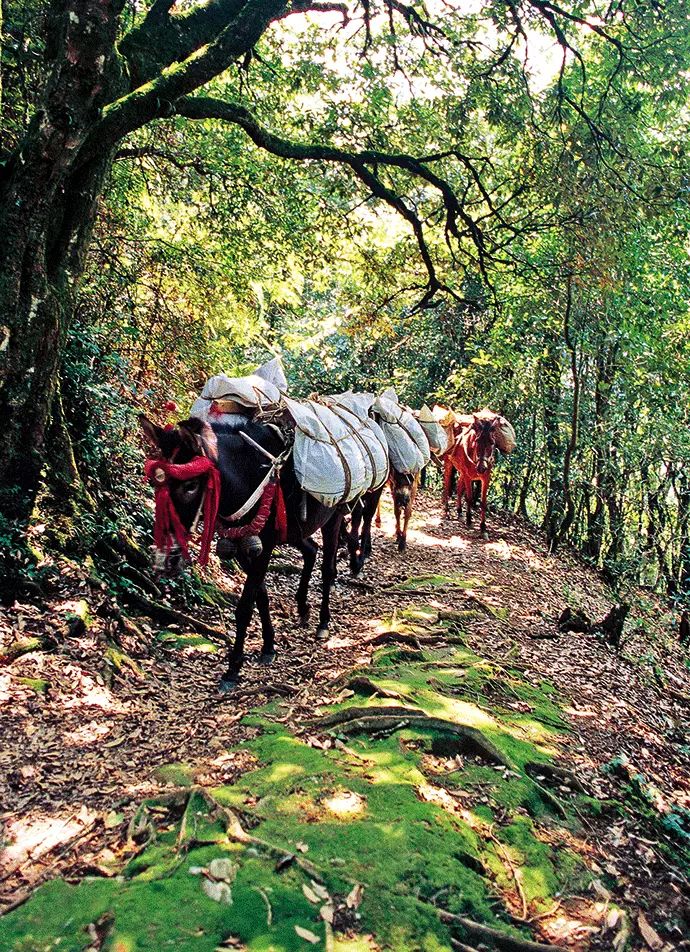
(356, 824)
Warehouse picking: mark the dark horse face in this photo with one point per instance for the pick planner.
(181, 444)
(484, 429)
(242, 467)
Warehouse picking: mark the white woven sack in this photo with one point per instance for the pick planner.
(274, 373)
(434, 432)
(329, 460)
(408, 447)
(350, 407)
(359, 403)
(251, 392)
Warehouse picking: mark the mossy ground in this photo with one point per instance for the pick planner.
(407, 813)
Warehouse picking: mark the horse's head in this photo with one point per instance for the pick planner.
(403, 486)
(181, 472)
(484, 425)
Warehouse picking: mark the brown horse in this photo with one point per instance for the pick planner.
(404, 489)
(473, 456)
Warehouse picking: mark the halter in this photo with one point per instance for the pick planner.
(167, 525)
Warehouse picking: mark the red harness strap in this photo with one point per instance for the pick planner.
(272, 491)
(167, 524)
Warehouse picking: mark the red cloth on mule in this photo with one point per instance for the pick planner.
(167, 522)
(272, 491)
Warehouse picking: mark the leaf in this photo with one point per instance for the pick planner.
(302, 847)
(327, 912)
(306, 934)
(310, 894)
(354, 897)
(218, 891)
(650, 935)
(320, 890)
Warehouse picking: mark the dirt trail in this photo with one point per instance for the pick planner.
(83, 743)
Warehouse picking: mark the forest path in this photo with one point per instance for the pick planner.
(92, 746)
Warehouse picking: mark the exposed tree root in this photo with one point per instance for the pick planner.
(367, 720)
(555, 773)
(168, 613)
(364, 685)
(502, 940)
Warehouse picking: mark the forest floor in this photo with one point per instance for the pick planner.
(446, 763)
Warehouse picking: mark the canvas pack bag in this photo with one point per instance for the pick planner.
(354, 409)
(434, 431)
(258, 391)
(408, 447)
(329, 460)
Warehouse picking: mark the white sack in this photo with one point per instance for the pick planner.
(274, 373)
(251, 392)
(367, 433)
(359, 403)
(408, 447)
(434, 432)
(329, 460)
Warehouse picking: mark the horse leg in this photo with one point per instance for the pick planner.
(268, 651)
(377, 523)
(468, 500)
(447, 481)
(485, 490)
(354, 542)
(402, 539)
(256, 573)
(459, 491)
(309, 549)
(372, 501)
(329, 533)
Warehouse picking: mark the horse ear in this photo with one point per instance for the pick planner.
(151, 431)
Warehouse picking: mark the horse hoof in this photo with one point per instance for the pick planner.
(266, 657)
(485, 534)
(303, 614)
(229, 681)
(402, 545)
(322, 634)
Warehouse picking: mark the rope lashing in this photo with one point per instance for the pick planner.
(167, 526)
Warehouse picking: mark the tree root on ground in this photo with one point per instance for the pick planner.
(368, 720)
(168, 613)
(362, 685)
(502, 940)
(556, 774)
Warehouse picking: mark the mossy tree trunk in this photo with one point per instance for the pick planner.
(50, 185)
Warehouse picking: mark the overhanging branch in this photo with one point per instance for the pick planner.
(364, 165)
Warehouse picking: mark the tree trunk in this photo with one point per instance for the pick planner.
(47, 208)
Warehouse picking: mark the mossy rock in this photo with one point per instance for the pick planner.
(188, 640)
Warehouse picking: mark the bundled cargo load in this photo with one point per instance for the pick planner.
(505, 437)
(257, 391)
(354, 409)
(330, 459)
(436, 434)
(408, 446)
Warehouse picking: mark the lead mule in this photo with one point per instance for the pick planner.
(259, 504)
